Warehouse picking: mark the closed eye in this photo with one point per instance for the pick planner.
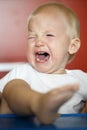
(50, 35)
(31, 36)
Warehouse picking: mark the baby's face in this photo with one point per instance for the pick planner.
(48, 43)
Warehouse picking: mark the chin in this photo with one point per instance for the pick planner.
(42, 70)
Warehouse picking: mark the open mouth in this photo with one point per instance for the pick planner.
(42, 56)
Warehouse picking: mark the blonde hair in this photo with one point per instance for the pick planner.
(68, 13)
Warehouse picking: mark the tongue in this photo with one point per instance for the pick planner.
(42, 58)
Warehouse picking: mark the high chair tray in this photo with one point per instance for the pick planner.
(64, 122)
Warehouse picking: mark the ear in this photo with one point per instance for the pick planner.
(74, 45)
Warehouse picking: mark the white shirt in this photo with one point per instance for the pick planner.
(43, 83)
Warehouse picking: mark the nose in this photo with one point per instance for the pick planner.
(39, 42)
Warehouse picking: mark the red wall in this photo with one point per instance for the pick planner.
(13, 29)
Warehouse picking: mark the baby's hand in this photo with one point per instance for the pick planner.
(84, 109)
(0, 96)
(50, 102)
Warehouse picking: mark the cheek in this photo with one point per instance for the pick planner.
(59, 52)
(29, 49)
(29, 52)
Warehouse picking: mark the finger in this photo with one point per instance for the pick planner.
(68, 87)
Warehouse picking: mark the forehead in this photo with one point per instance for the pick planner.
(48, 18)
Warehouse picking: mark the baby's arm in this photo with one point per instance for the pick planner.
(18, 98)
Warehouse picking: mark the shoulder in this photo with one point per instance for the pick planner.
(23, 71)
(81, 75)
(79, 72)
(19, 71)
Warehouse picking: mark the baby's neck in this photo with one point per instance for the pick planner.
(60, 71)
